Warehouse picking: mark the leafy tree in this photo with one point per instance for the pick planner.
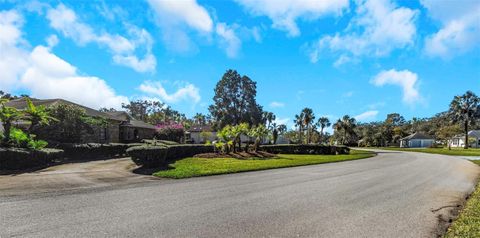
(463, 109)
(323, 122)
(268, 118)
(8, 115)
(38, 115)
(104, 109)
(234, 101)
(71, 124)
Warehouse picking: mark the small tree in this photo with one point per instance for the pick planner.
(38, 115)
(258, 133)
(8, 115)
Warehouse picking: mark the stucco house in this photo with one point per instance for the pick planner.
(417, 140)
(121, 126)
(194, 134)
(459, 140)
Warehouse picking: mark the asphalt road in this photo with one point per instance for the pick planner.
(396, 194)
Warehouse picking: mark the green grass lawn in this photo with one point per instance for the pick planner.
(193, 167)
(468, 222)
(443, 151)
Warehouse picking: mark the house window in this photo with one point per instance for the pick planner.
(455, 141)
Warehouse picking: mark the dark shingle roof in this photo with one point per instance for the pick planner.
(21, 104)
(418, 136)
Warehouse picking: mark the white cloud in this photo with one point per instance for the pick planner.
(276, 104)
(13, 59)
(49, 76)
(285, 13)
(368, 115)
(378, 28)
(176, 18)
(65, 20)
(44, 74)
(460, 29)
(282, 121)
(231, 43)
(407, 80)
(186, 93)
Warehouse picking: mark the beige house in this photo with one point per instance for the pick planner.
(121, 126)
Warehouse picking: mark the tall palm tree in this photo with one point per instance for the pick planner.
(308, 118)
(464, 108)
(346, 126)
(199, 118)
(299, 124)
(323, 122)
(268, 117)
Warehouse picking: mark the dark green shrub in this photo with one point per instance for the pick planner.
(305, 149)
(159, 142)
(19, 158)
(94, 151)
(148, 156)
(151, 156)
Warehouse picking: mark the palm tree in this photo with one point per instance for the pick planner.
(37, 115)
(323, 122)
(464, 109)
(299, 124)
(308, 118)
(199, 118)
(346, 126)
(268, 117)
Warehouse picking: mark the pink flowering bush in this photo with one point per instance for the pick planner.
(170, 131)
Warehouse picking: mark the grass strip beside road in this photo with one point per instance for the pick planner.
(468, 222)
(442, 151)
(194, 167)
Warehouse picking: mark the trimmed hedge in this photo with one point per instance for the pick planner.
(305, 149)
(94, 151)
(19, 158)
(159, 142)
(156, 156)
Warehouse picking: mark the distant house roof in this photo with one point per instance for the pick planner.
(200, 128)
(472, 133)
(21, 104)
(418, 136)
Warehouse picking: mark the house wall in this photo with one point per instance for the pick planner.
(133, 134)
(420, 143)
(197, 138)
(460, 142)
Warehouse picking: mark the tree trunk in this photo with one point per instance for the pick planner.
(466, 134)
(6, 127)
(321, 136)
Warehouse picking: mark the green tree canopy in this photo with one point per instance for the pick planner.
(234, 101)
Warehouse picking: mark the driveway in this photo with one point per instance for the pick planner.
(395, 194)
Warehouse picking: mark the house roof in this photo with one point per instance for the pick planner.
(21, 104)
(472, 133)
(418, 136)
(120, 116)
(200, 128)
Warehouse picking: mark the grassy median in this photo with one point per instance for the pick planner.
(442, 151)
(194, 167)
(468, 222)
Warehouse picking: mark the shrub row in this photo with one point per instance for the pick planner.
(305, 149)
(19, 158)
(94, 151)
(150, 156)
(159, 142)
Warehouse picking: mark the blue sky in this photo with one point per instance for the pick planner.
(362, 58)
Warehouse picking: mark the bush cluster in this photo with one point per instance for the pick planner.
(305, 149)
(150, 156)
(20, 158)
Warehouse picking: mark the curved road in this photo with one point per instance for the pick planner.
(395, 194)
